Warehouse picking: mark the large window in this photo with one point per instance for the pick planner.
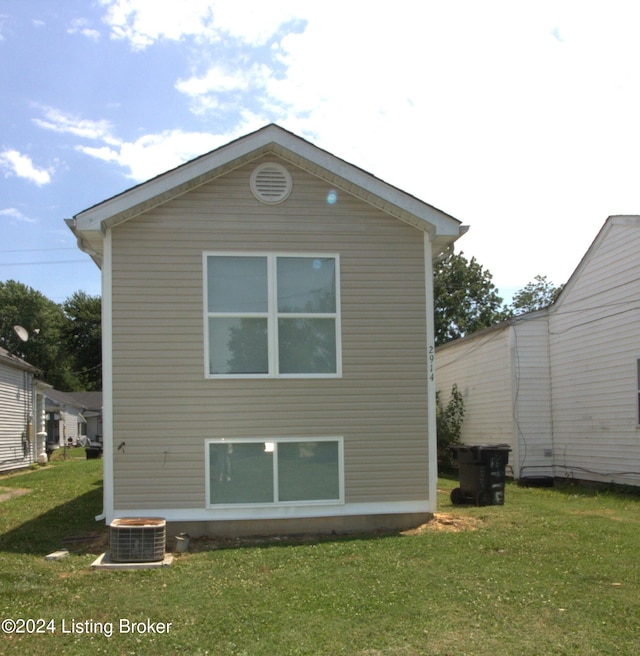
(289, 471)
(272, 315)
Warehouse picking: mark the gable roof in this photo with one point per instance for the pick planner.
(620, 219)
(90, 225)
(616, 219)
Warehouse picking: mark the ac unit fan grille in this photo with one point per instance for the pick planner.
(137, 540)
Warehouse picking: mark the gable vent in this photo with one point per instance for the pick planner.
(271, 183)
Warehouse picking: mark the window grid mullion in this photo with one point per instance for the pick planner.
(272, 321)
(276, 485)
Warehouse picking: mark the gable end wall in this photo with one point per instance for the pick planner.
(163, 407)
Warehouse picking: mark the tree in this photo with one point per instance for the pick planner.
(535, 295)
(465, 298)
(42, 319)
(82, 337)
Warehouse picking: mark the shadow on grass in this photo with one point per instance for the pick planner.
(49, 531)
(593, 489)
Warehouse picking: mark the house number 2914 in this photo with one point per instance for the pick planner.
(432, 358)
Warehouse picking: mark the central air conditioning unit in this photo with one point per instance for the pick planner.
(137, 539)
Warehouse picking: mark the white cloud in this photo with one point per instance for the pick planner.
(82, 26)
(143, 22)
(3, 18)
(143, 158)
(15, 163)
(104, 153)
(153, 154)
(222, 87)
(16, 214)
(57, 121)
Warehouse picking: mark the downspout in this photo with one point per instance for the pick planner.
(432, 444)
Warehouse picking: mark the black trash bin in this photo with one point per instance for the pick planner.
(482, 473)
(93, 452)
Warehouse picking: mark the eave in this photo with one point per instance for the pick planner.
(90, 225)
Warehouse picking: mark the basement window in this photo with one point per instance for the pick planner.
(274, 471)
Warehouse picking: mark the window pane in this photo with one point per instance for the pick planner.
(308, 471)
(237, 284)
(240, 473)
(306, 284)
(307, 346)
(238, 346)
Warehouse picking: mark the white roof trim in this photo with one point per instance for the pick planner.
(275, 139)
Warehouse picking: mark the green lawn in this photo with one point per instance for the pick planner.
(550, 572)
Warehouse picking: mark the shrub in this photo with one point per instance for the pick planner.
(449, 426)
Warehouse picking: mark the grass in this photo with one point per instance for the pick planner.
(553, 571)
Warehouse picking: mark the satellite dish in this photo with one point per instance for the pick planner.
(21, 333)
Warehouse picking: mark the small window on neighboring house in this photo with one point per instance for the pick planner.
(272, 315)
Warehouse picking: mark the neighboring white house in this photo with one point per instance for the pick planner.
(91, 404)
(562, 385)
(65, 419)
(268, 343)
(21, 414)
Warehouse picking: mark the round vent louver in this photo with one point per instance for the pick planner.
(271, 183)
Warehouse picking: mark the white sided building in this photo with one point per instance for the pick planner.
(561, 386)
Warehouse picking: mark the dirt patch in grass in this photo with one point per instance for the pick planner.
(7, 493)
(446, 522)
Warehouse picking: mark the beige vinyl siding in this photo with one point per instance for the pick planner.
(163, 407)
(481, 367)
(595, 345)
(16, 411)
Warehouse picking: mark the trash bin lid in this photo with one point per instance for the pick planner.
(482, 447)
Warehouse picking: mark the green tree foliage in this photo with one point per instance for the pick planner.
(466, 300)
(43, 320)
(82, 337)
(535, 295)
(64, 340)
(449, 420)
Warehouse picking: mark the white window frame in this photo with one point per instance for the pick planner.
(275, 441)
(272, 315)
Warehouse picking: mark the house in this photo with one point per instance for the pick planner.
(69, 420)
(562, 385)
(91, 403)
(267, 343)
(21, 414)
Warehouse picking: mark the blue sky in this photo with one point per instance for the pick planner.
(518, 118)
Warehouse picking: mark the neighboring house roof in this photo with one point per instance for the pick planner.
(496, 327)
(89, 226)
(81, 400)
(56, 399)
(618, 219)
(14, 361)
(88, 400)
(566, 290)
